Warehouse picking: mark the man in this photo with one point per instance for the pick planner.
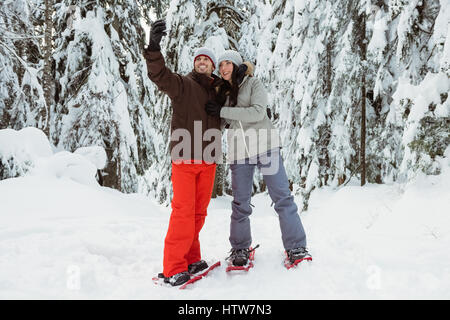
(192, 176)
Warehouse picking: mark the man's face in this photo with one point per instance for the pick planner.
(203, 65)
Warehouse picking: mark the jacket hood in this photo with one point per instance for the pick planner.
(250, 68)
(248, 73)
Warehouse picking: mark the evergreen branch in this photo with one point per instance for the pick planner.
(22, 93)
(224, 6)
(17, 18)
(15, 54)
(24, 37)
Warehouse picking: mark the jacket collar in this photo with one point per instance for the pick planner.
(243, 80)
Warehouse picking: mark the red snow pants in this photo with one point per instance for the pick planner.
(192, 188)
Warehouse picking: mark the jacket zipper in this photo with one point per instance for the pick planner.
(243, 138)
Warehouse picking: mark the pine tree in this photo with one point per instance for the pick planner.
(383, 132)
(47, 79)
(22, 100)
(295, 63)
(422, 32)
(101, 87)
(9, 81)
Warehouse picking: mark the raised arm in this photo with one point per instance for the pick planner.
(167, 81)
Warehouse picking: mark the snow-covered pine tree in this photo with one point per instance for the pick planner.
(128, 47)
(420, 99)
(101, 86)
(383, 136)
(48, 75)
(22, 100)
(9, 81)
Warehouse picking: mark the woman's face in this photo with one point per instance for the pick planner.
(226, 69)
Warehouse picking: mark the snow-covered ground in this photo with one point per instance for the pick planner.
(63, 237)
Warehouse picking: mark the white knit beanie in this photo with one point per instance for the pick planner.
(204, 51)
(232, 56)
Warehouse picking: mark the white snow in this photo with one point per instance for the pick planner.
(19, 150)
(94, 154)
(62, 237)
(378, 41)
(67, 165)
(25, 143)
(408, 16)
(32, 154)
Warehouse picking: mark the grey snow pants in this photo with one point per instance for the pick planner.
(274, 174)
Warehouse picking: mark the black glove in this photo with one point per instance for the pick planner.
(240, 73)
(212, 108)
(158, 30)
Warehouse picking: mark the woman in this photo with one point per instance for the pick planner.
(253, 142)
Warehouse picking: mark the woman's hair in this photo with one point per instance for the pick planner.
(229, 89)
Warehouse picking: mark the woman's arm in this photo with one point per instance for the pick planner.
(253, 113)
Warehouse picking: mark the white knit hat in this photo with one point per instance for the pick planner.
(204, 51)
(232, 56)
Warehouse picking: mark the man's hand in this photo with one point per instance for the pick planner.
(158, 30)
(212, 108)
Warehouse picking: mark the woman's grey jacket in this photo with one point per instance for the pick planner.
(250, 130)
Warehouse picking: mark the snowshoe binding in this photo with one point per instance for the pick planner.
(241, 259)
(295, 256)
(177, 279)
(196, 267)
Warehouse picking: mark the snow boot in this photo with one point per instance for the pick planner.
(298, 254)
(177, 279)
(239, 257)
(198, 266)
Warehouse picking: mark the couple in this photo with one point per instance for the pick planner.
(237, 100)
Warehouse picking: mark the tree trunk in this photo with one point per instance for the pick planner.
(363, 101)
(48, 74)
